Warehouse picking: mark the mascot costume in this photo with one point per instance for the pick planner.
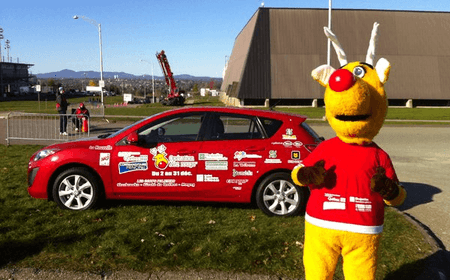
(349, 176)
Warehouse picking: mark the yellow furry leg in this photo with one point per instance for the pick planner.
(323, 247)
(360, 254)
(320, 253)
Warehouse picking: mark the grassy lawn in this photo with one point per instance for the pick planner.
(150, 236)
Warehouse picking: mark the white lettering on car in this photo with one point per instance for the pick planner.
(239, 155)
(242, 173)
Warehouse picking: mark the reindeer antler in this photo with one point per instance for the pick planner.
(370, 57)
(337, 46)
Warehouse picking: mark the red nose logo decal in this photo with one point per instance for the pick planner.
(341, 80)
(162, 164)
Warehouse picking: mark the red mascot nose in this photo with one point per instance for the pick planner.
(341, 80)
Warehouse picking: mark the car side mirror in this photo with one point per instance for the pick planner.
(133, 138)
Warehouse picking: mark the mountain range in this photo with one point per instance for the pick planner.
(66, 73)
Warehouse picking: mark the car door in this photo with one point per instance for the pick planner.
(232, 155)
(164, 162)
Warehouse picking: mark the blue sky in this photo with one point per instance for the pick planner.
(196, 35)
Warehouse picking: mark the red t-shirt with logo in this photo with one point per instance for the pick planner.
(345, 201)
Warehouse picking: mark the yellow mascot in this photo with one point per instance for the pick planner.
(349, 176)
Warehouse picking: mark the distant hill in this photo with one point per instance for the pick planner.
(66, 73)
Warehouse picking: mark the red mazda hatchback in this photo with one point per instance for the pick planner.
(217, 154)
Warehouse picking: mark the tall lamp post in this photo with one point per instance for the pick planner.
(99, 27)
(329, 27)
(153, 81)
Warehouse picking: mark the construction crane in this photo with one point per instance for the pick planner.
(175, 96)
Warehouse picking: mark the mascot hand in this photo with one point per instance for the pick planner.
(381, 184)
(310, 175)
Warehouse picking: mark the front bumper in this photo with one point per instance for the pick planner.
(37, 183)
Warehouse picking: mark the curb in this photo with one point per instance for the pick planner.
(438, 265)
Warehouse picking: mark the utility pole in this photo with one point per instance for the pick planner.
(329, 41)
(7, 47)
(1, 38)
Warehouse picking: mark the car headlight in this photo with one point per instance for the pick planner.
(44, 153)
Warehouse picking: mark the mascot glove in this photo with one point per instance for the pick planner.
(304, 176)
(386, 187)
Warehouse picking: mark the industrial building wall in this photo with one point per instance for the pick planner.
(295, 51)
(256, 78)
(238, 58)
(416, 44)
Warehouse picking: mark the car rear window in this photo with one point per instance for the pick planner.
(271, 126)
(311, 132)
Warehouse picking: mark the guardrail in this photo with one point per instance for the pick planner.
(30, 126)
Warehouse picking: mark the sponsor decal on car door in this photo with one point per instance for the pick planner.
(166, 168)
(226, 170)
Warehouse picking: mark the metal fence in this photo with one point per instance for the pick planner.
(46, 127)
(29, 126)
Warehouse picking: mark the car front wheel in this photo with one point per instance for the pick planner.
(76, 189)
(277, 195)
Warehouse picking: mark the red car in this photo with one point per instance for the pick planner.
(215, 154)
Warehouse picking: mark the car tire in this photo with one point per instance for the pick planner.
(76, 189)
(277, 195)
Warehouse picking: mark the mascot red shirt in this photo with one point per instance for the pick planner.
(344, 201)
(350, 177)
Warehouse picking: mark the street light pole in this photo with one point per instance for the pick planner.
(153, 81)
(329, 27)
(99, 28)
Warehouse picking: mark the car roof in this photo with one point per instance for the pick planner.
(237, 110)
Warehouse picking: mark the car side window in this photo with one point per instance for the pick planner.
(271, 126)
(180, 128)
(233, 127)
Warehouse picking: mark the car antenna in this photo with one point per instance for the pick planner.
(271, 108)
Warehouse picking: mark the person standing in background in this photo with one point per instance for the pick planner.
(61, 106)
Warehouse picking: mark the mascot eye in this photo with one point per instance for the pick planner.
(359, 72)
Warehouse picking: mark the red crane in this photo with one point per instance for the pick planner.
(175, 97)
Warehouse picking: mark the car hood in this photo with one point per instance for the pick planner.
(87, 143)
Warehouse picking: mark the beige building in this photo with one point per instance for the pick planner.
(274, 54)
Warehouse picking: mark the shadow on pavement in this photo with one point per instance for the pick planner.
(417, 194)
(435, 266)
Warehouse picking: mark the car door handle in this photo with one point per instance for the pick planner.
(255, 149)
(186, 152)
